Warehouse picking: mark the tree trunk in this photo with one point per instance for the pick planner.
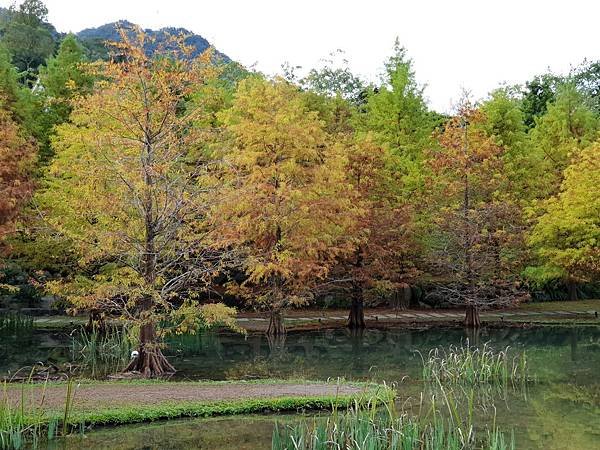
(96, 323)
(276, 325)
(356, 318)
(405, 294)
(276, 345)
(150, 362)
(472, 319)
(573, 345)
(572, 289)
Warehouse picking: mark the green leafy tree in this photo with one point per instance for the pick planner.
(566, 236)
(333, 78)
(26, 107)
(567, 127)
(62, 79)
(397, 115)
(9, 85)
(587, 79)
(504, 122)
(504, 119)
(537, 93)
(27, 37)
(64, 76)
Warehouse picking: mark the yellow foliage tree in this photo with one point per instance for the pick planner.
(567, 235)
(125, 191)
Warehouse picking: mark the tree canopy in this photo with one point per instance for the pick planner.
(148, 181)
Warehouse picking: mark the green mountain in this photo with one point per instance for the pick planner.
(94, 38)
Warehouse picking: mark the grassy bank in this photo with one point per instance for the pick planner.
(568, 306)
(103, 403)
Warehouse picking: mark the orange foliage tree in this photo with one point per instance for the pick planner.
(383, 258)
(478, 232)
(17, 158)
(285, 204)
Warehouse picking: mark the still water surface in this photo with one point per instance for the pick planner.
(560, 411)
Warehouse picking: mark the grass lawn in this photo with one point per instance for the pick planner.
(574, 306)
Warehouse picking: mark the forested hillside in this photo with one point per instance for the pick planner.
(148, 179)
(93, 39)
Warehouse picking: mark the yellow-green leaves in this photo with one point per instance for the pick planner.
(124, 188)
(567, 235)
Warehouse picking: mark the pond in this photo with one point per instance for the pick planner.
(561, 410)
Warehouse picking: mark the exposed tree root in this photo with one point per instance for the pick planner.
(151, 364)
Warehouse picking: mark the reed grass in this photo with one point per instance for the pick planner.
(475, 365)
(382, 427)
(24, 422)
(102, 353)
(15, 322)
(360, 429)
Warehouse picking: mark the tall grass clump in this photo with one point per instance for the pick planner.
(474, 365)
(102, 353)
(24, 420)
(383, 428)
(15, 323)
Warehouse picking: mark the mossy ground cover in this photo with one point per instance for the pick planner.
(120, 402)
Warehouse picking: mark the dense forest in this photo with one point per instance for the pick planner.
(145, 179)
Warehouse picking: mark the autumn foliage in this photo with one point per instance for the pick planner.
(476, 231)
(17, 159)
(124, 189)
(384, 256)
(285, 203)
(167, 185)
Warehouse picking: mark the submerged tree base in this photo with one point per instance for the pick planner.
(472, 319)
(276, 325)
(356, 318)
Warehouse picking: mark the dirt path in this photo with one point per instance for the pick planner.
(310, 319)
(314, 319)
(101, 396)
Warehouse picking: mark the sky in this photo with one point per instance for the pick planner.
(460, 44)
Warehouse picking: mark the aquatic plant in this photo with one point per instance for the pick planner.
(475, 365)
(381, 427)
(15, 323)
(102, 353)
